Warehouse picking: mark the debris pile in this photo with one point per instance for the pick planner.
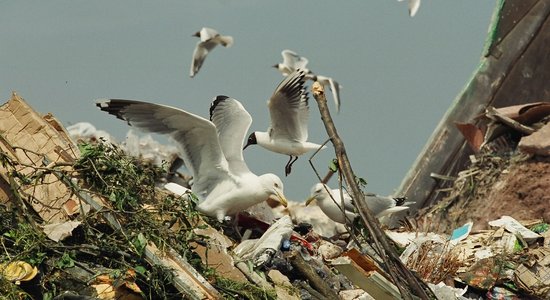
(509, 174)
(86, 219)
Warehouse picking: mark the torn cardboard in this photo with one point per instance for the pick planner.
(534, 275)
(31, 141)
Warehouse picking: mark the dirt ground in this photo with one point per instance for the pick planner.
(492, 187)
(522, 193)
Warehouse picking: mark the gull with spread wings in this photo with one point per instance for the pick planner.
(211, 150)
(289, 112)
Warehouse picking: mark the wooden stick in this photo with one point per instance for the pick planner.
(402, 277)
(493, 113)
(315, 280)
(328, 176)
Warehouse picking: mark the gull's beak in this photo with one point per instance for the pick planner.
(309, 200)
(281, 199)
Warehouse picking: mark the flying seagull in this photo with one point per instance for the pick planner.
(292, 62)
(211, 150)
(289, 111)
(414, 5)
(209, 38)
(379, 205)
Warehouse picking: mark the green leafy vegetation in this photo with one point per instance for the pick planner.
(146, 213)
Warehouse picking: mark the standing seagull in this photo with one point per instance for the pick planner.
(211, 150)
(289, 111)
(209, 39)
(331, 206)
(292, 62)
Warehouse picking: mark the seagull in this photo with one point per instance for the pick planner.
(210, 38)
(414, 5)
(211, 150)
(379, 205)
(289, 110)
(292, 61)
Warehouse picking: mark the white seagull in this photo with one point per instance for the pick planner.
(289, 111)
(211, 150)
(379, 205)
(292, 62)
(414, 5)
(209, 38)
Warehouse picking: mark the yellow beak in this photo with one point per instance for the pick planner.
(309, 200)
(281, 198)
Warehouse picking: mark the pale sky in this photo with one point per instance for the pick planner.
(399, 74)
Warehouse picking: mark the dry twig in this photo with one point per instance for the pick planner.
(402, 277)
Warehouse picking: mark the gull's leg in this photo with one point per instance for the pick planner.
(236, 226)
(288, 166)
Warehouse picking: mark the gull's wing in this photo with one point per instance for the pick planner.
(224, 40)
(196, 136)
(414, 5)
(335, 88)
(294, 61)
(288, 108)
(348, 203)
(232, 122)
(333, 85)
(199, 55)
(381, 205)
(208, 34)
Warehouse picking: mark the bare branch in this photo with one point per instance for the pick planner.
(402, 277)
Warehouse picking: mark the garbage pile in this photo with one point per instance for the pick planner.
(508, 174)
(80, 217)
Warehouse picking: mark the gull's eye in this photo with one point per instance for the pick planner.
(276, 185)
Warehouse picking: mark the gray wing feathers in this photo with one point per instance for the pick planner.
(348, 203)
(199, 55)
(190, 131)
(294, 61)
(232, 122)
(288, 108)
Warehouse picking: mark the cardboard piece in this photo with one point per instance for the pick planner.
(534, 276)
(30, 140)
(216, 255)
(365, 274)
(483, 244)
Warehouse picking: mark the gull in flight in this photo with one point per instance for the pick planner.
(414, 5)
(211, 150)
(289, 111)
(209, 38)
(292, 62)
(379, 205)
